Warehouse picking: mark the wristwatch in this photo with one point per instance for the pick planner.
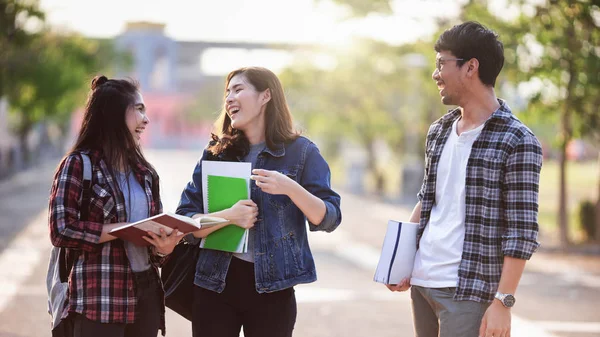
(507, 300)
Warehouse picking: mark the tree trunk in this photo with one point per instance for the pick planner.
(563, 221)
(565, 134)
(23, 133)
(64, 137)
(378, 177)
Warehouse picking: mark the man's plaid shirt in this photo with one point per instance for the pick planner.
(501, 187)
(101, 283)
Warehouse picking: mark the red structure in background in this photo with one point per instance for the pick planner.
(169, 126)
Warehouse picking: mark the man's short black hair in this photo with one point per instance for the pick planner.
(472, 40)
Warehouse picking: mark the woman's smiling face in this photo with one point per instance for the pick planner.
(244, 105)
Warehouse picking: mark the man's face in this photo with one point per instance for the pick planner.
(448, 77)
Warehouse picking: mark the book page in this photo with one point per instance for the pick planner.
(209, 221)
(182, 218)
(151, 226)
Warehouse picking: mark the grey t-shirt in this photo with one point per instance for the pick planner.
(136, 206)
(251, 158)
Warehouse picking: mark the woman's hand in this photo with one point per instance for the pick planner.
(164, 243)
(243, 214)
(272, 182)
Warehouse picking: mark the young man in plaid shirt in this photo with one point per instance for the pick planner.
(478, 204)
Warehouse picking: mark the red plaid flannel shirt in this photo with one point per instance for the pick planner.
(101, 282)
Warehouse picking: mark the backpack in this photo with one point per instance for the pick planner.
(60, 264)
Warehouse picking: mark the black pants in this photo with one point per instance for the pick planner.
(261, 315)
(147, 323)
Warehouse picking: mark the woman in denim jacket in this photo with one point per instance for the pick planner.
(290, 185)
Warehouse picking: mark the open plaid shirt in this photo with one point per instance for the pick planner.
(501, 187)
(101, 282)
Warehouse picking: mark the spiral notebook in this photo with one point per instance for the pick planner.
(223, 185)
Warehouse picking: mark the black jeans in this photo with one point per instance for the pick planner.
(261, 315)
(147, 323)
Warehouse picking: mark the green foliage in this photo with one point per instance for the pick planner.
(44, 75)
(52, 77)
(376, 94)
(13, 37)
(569, 66)
(556, 49)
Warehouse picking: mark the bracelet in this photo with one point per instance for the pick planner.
(159, 254)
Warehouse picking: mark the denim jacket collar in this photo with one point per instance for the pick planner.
(278, 150)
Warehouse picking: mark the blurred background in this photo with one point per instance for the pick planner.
(357, 75)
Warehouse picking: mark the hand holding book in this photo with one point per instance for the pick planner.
(243, 214)
(163, 243)
(162, 223)
(397, 255)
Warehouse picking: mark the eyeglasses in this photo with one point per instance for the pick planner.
(439, 62)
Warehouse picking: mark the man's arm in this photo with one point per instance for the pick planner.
(496, 320)
(415, 216)
(521, 186)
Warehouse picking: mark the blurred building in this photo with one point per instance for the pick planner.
(171, 75)
(580, 150)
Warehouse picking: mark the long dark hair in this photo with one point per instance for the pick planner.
(279, 126)
(103, 127)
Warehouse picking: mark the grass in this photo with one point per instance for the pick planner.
(582, 184)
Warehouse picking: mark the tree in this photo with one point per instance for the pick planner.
(13, 37)
(587, 124)
(369, 97)
(567, 33)
(50, 80)
(554, 46)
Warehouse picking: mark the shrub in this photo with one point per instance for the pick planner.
(587, 218)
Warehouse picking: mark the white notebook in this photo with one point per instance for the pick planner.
(230, 238)
(397, 253)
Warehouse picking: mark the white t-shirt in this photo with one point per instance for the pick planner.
(441, 246)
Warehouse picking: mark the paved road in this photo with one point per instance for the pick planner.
(558, 296)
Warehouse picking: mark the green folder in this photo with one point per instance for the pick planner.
(224, 192)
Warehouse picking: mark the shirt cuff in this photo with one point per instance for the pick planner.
(329, 222)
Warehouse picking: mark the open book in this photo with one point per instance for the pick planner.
(223, 185)
(397, 253)
(167, 221)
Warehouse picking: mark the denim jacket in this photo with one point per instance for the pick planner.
(281, 252)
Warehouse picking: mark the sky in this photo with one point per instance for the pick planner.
(299, 21)
(291, 21)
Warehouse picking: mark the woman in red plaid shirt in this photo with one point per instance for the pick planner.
(114, 287)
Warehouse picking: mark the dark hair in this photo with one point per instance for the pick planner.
(472, 40)
(104, 128)
(278, 119)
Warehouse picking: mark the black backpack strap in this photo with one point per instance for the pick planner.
(66, 260)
